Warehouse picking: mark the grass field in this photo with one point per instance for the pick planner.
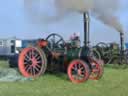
(113, 83)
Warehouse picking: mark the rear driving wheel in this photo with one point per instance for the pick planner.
(78, 71)
(97, 69)
(32, 62)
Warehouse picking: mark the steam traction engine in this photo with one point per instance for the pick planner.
(77, 61)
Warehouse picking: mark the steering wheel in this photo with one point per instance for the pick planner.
(55, 41)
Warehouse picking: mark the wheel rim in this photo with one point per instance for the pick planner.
(97, 69)
(78, 71)
(31, 62)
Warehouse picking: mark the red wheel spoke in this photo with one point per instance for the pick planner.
(29, 68)
(75, 67)
(79, 65)
(31, 71)
(26, 63)
(27, 57)
(36, 54)
(82, 68)
(38, 58)
(39, 66)
(38, 62)
(36, 69)
(26, 67)
(34, 72)
(29, 54)
(32, 53)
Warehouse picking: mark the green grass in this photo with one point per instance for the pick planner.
(4, 64)
(113, 83)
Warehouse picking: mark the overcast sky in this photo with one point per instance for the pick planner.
(13, 22)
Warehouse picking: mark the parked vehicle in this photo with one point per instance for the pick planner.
(9, 47)
(13, 59)
(111, 53)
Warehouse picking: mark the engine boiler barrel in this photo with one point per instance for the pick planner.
(77, 53)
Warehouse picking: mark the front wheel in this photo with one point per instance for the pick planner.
(78, 71)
